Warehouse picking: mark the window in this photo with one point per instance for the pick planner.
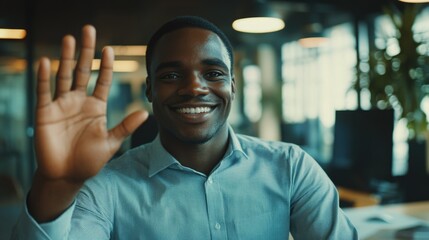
(316, 83)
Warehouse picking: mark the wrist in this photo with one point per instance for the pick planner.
(49, 198)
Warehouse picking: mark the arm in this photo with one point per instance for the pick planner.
(315, 211)
(71, 140)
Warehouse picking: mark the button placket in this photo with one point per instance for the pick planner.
(215, 208)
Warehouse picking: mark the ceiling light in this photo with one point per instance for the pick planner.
(257, 17)
(312, 42)
(258, 24)
(313, 36)
(8, 33)
(414, 1)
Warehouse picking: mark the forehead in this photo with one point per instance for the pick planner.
(189, 43)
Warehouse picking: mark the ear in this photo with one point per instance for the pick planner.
(148, 89)
(233, 87)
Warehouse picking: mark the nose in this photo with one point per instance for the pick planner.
(194, 85)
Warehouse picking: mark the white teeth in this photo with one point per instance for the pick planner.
(194, 110)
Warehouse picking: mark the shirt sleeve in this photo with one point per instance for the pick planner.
(315, 211)
(90, 220)
(28, 228)
(84, 219)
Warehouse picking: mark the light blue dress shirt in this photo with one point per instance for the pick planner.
(260, 190)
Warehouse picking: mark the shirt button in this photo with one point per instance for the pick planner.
(217, 226)
(210, 180)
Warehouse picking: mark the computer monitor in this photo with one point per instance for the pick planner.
(362, 148)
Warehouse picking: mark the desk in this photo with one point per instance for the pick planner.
(396, 216)
(418, 210)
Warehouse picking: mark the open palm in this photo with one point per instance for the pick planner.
(72, 141)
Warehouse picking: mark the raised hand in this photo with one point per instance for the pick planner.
(71, 140)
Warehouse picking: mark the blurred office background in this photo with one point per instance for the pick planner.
(356, 100)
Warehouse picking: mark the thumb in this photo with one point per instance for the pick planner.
(127, 126)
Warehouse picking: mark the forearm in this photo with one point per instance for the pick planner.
(48, 199)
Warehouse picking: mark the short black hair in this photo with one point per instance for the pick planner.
(183, 22)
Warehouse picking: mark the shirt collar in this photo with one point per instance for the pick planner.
(234, 145)
(160, 159)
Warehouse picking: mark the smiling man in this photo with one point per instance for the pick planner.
(197, 180)
(191, 86)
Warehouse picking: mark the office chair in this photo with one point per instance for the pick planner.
(145, 133)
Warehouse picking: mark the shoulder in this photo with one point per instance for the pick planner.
(132, 158)
(282, 154)
(251, 143)
(118, 172)
(131, 164)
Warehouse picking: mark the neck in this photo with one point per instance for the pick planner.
(202, 157)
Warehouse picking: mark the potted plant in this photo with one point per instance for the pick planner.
(397, 78)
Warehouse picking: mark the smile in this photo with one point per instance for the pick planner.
(194, 110)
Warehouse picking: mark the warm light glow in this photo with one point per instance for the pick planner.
(14, 65)
(18, 65)
(414, 1)
(118, 65)
(312, 42)
(258, 24)
(129, 50)
(7, 33)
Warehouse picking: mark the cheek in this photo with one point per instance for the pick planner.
(161, 92)
(226, 92)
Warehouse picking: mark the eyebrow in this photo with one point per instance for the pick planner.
(172, 64)
(177, 64)
(215, 62)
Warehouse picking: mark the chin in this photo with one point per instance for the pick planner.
(195, 134)
(195, 138)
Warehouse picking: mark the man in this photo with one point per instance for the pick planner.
(196, 180)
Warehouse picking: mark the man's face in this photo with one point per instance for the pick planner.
(191, 87)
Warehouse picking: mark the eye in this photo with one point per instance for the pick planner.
(169, 76)
(214, 75)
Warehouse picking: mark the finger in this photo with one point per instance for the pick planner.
(126, 127)
(43, 83)
(104, 80)
(83, 67)
(65, 70)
